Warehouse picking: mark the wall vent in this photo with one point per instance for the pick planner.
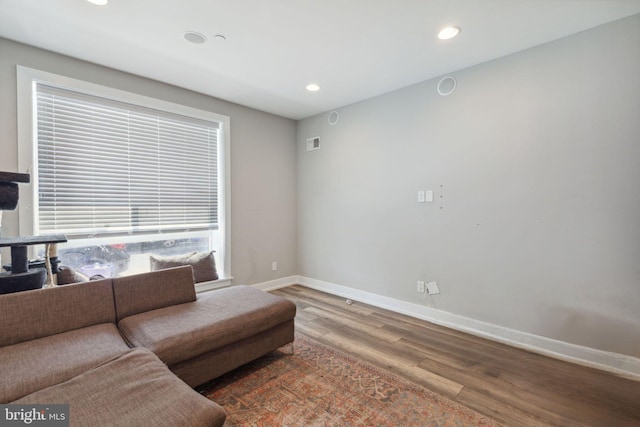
(313, 143)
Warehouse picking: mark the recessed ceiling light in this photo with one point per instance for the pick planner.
(312, 87)
(448, 33)
(99, 2)
(195, 37)
(220, 37)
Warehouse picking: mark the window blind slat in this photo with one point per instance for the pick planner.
(106, 166)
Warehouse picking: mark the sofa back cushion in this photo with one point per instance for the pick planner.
(43, 312)
(144, 292)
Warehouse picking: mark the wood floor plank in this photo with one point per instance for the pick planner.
(373, 330)
(506, 393)
(511, 415)
(511, 385)
(345, 315)
(332, 300)
(312, 331)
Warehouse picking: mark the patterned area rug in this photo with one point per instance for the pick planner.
(319, 386)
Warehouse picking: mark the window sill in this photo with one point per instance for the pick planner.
(213, 284)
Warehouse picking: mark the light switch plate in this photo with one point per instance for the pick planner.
(428, 196)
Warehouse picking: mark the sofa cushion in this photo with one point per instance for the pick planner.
(32, 365)
(216, 319)
(203, 264)
(42, 312)
(139, 293)
(134, 389)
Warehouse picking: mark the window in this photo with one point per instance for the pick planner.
(123, 175)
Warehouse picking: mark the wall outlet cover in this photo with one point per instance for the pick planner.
(432, 288)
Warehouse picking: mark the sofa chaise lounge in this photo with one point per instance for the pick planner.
(127, 351)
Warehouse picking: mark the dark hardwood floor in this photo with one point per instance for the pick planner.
(513, 386)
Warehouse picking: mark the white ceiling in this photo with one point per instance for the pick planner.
(354, 49)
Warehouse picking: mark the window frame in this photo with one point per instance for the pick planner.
(27, 147)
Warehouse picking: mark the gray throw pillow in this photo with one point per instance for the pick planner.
(203, 264)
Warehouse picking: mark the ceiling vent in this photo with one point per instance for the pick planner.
(313, 143)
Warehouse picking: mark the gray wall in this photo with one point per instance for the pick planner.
(263, 194)
(535, 163)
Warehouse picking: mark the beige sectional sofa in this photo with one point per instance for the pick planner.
(127, 351)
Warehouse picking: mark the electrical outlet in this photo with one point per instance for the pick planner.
(432, 288)
(420, 286)
(274, 266)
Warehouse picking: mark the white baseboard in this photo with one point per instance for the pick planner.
(272, 285)
(619, 364)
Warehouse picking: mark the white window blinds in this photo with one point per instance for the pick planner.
(108, 167)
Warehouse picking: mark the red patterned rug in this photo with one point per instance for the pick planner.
(319, 386)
